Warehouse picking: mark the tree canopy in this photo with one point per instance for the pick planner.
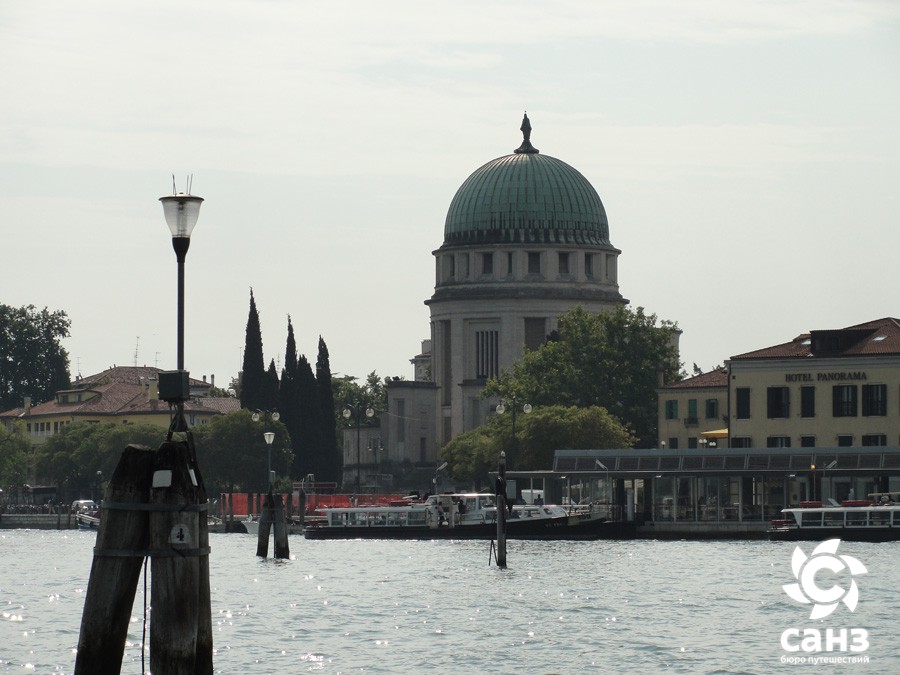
(32, 359)
(14, 448)
(73, 457)
(233, 454)
(472, 455)
(613, 359)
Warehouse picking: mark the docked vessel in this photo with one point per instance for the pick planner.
(464, 516)
(873, 519)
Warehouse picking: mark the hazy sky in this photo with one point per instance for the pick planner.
(747, 153)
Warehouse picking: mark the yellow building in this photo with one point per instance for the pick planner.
(838, 387)
(122, 394)
(825, 388)
(692, 413)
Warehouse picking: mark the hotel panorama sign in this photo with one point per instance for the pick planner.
(853, 376)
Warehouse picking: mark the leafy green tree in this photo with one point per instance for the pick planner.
(14, 450)
(253, 370)
(72, 458)
(613, 359)
(233, 455)
(32, 359)
(539, 434)
(331, 455)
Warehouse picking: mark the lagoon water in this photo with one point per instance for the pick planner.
(440, 607)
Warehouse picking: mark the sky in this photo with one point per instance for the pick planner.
(747, 154)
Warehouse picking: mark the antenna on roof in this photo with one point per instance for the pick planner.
(174, 190)
(137, 344)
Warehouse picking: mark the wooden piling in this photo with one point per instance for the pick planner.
(114, 571)
(501, 511)
(265, 527)
(178, 544)
(282, 550)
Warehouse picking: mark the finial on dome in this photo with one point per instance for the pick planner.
(526, 147)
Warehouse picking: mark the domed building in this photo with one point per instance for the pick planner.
(526, 238)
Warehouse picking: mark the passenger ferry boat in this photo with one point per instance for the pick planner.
(464, 516)
(873, 519)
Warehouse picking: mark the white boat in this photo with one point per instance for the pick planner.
(463, 516)
(873, 519)
(88, 520)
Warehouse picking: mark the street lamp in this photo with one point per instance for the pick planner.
(181, 211)
(269, 436)
(349, 412)
(514, 407)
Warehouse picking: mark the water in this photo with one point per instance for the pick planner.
(439, 607)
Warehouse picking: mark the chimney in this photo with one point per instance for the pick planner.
(212, 380)
(152, 389)
(27, 405)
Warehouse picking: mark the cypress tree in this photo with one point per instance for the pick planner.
(253, 371)
(307, 450)
(290, 413)
(270, 388)
(332, 460)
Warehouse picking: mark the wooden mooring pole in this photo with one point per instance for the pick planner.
(272, 516)
(114, 577)
(501, 511)
(156, 506)
(181, 625)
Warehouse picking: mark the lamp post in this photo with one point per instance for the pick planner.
(269, 437)
(514, 407)
(358, 411)
(181, 211)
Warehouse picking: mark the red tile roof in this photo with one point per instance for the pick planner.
(714, 378)
(873, 338)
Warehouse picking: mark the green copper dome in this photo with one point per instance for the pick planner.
(526, 197)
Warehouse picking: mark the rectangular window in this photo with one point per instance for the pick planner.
(712, 408)
(807, 441)
(535, 332)
(777, 403)
(844, 400)
(487, 353)
(672, 410)
(692, 442)
(509, 264)
(563, 263)
(534, 262)
(589, 265)
(487, 263)
(673, 443)
(778, 442)
(845, 441)
(807, 401)
(742, 403)
(874, 400)
(869, 440)
(401, 419)
(741, 442)
(692, 410)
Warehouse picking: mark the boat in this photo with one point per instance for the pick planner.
(464, 516)
(874, 519)
(87, 514)
(88, 520)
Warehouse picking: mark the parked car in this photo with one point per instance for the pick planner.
(84, 506)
